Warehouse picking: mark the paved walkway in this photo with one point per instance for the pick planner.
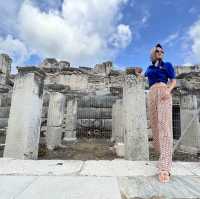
(103, 179)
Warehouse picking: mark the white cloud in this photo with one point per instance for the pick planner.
(14, 48)
(8, 14)
(84, 32)
(170, 39)
(123, 36)
(146, 16)
(187, 64)
(190, 45)
(194, 33)
(48, 4)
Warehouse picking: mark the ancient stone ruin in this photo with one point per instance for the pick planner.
(55, 102)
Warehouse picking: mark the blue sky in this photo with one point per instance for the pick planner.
(86, 32)
(167, 22)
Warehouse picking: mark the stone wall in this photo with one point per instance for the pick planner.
(6, 85)
(51, 63)
(186, 69)
(5, 64)
(104, 68)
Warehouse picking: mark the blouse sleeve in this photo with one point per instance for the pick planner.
(170, 71)
(145, 74)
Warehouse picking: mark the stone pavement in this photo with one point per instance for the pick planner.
(95, 179)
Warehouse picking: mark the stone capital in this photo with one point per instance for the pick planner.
(57, 88)
(31, 69)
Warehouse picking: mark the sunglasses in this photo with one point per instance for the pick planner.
(161, 51)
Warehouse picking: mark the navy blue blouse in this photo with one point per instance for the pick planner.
(160, 73)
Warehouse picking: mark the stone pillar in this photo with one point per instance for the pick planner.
(71, 119)
(24, 122)
(5, 64)
(5, 93)
(5, 96)
(135, 120)
(191, 140)
(117, 121)
(55, 119)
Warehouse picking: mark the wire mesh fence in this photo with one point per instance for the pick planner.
(176, 121)
(186, 118)
(94, 116)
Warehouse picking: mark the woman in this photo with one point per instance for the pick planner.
(160, 109)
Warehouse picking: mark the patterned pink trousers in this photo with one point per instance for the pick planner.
(160, 114)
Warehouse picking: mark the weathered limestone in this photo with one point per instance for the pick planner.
(75, 81)
(56, 109)
(4, 101)
(117, 121)
(189, 82)
(64, 64)
(5, 64)
(119, 149)
(186, 69)
(148, 119)
(51, 63)
(4, 112)
(71, 119)
(25, 114)
(102, 179)
(191, 139)
(135, 121)
(5, 83)
(55, 119)
(3, 122)
(104, 68)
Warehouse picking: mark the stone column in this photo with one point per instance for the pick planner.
(71, 119)
(191, 140)
(5, 64)
(117, 121)
(5, 94)
(24, 122)
(55, 119)
(135, 120)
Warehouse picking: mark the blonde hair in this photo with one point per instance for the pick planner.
(153, 54)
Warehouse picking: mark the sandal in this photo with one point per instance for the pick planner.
(164, 173)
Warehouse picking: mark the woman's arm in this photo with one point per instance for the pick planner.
(171, 76)
(172, 84)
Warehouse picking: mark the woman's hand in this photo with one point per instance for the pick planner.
(167, 94)
(169, 88)
(138, 72)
